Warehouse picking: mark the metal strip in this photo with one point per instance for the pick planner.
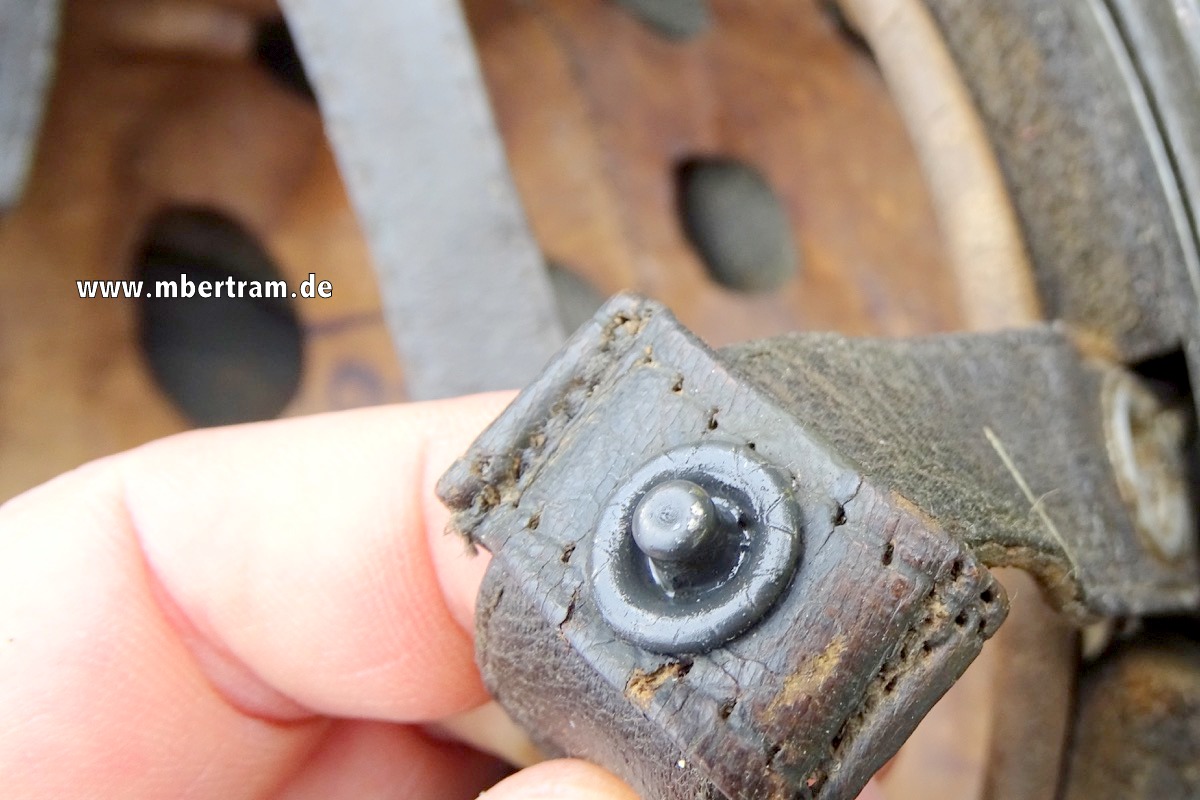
(464, 286)
(28, 35)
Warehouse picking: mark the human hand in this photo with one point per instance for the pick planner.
(266, 609)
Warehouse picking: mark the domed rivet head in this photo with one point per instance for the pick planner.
(694, 547)
(675, 522)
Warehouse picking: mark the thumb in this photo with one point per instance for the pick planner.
(570, 779)
(564, 779)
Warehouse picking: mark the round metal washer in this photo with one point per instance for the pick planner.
(621, 578)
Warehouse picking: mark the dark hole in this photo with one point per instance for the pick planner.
(839, 516)
(1169, 378)
(221, 359)
(737, 224)
(275, 51)
(890, 686)
(956, 569)
(677, 20)
(888, 552)
(986, 595)
(726, 709)
(1168, 374)
(961, 619)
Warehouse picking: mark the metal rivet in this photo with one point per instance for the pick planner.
(1145, 445)
(694, 547)
(675, 521)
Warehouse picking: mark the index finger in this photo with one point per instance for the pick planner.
(313, 553)
(214, 592)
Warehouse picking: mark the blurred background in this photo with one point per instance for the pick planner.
(182, 136)
(740, 161)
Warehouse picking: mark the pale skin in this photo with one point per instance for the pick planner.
(266, 610)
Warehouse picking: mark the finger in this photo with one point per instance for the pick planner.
(171, 619)
(488, 728)
(872, 792)
(571, 779)
(96, 688)
(564, 779)
(365, 760)
(299, 555)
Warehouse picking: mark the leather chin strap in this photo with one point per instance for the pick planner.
(913, 467)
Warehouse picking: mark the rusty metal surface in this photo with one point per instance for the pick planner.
(599, 113)
(1137, 730)
(133, 128)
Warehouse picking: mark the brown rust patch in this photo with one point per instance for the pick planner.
(642, 685)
